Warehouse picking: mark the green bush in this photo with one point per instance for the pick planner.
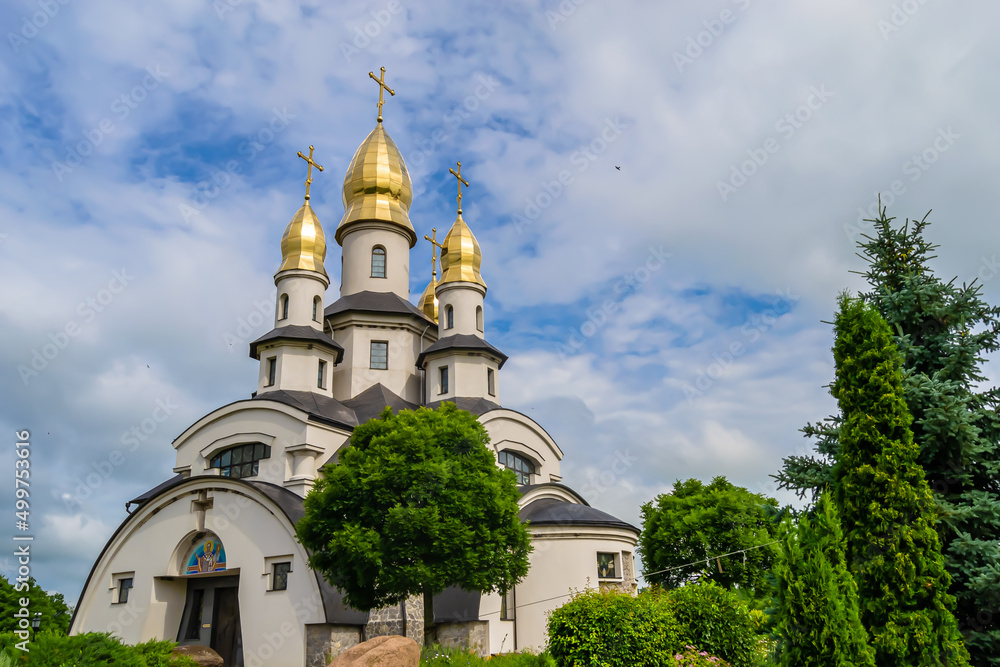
(612, 629)
(50, 649)
(716, 620)
(440, 656)
(692, 657)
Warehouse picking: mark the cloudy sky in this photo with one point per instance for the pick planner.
(664, 319)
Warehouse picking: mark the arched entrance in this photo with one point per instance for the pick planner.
(212, 606)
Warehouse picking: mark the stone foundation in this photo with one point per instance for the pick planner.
(406, 619)
(324, 642)
(471, 635)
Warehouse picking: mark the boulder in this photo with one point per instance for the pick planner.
(203, 655)
(388, 651)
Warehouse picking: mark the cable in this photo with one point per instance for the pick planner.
(710, 558)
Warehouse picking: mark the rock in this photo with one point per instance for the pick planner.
(203, 655)
(388, 651)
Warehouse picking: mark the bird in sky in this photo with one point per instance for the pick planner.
(618, 168)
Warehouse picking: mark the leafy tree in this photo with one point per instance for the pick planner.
(817, 617)
(943, 331)
(55, 612)
(92, 649)
(696, 522)
(885, 504)
(718, 621)
(416, 504)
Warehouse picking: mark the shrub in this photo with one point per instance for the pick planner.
(50, 649)
(613, 629)
(716, 620)
(441, 656)
(692, 657)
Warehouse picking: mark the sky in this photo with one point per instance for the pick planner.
(667, 195)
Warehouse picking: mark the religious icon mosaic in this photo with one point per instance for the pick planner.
(208, 556)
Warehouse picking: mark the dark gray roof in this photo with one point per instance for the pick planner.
(318, 406)
(299, 332)
(552, 512)
(155, 491)
(462, 342)
(373, 400)
(477, 406)
(376, 302)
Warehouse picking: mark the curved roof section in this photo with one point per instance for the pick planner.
(376, 302)
(462, 342)
(301, 333)
(477, 406)
(552, 512)
(318, 406)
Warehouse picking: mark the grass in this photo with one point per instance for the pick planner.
(440, 656)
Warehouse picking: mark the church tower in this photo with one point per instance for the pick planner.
(297, 355)
(461, 362)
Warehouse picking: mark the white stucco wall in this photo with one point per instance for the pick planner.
(154, 545)
(464, 298)
(356, 332)
(297, 367)
(356, 274)
(301, 287)
(512, 430)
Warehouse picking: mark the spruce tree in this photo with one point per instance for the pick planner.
(885, 503)
(943, 331)
(817, 618)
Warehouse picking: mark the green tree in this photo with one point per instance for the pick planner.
(696, 522)
(816, 600)
(416, 504)
(885, 504)
(55, 612)
(943, 331)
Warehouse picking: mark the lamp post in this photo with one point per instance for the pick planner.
(36, 621)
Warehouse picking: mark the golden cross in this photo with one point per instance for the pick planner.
(458, 175)
(309, 177)
(434, 248)
(381, 88)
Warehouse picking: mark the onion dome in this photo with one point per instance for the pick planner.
(460, 255)
(303, 245)
(377, 186)
(428, 301)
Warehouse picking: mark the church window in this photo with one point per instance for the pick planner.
(321, 375)
(491, 382)
(272, 366)
(443, 380)
(521, 466)
(279, 576)
(449, 318)
(241, 461)
(284, 307)
(380, 355)
(608, 566)
(316, 302)
(378, 262)
(479, 318)
(507, 606)
(124, 586)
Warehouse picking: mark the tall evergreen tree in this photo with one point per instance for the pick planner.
(943, 331)
(817, 618)
(885, 503)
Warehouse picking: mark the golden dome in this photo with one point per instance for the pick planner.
(460, 255)
(303, 245)
(428, 301)
(377, 185)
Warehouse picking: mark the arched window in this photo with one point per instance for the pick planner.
(378, 262)
(284, 307)
(449, 317)
(241, 460)
(316, 304)
(479, 317)
(521, 466)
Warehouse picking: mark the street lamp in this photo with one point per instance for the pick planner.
(36, 621)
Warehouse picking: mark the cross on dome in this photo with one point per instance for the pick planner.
(381, 89)
(458, 175)
(309, 160)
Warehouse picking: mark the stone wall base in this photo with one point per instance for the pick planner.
(470, 635)
(405, 619)
(325, 641)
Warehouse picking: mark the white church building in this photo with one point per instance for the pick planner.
(210, 555)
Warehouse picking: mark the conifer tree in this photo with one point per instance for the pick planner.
(885, 503)
(943, 331)
(817, 618)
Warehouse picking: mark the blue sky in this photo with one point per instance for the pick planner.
(667, 314)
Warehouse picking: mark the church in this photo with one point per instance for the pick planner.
(210, 556)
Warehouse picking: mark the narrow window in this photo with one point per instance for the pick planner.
(272, 365)
(321, 375)
(279, 576)
(378, 262)
(124, 586)
(284, 307)
(479, 318)
(380, 355)
(443, 379)
(316, 301)
(507, 606)
(607, 566)
(449, 318)
(491, 386)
